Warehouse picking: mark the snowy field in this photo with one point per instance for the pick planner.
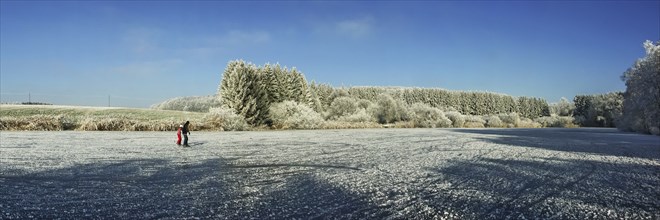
(327, 174)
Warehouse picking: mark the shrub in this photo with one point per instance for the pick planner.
(556, 121)
(336, 93)
(474, 121)
(364, 104)
(291, 115)
(401, 124)
(341, 107)
(32, 123)
(425, 116)
(360, 116)
(510, 119)
(528, 123)
(493, 121)
(124, 123)
(654, 130)
(390, 110)
(350, 125)
(562, 108)
(600, 110)
(457, 119)
(225, 119)
(107, 124)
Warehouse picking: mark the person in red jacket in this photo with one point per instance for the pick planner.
(178, 135)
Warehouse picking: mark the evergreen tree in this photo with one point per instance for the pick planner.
(243, 89)
(228, 89)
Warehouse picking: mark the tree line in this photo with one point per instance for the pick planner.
(250, 90)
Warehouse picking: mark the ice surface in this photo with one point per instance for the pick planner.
(347, 174)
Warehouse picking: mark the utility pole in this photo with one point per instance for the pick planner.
(108, 100)
(29, 97)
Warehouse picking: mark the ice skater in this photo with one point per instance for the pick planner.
(185, 131)
(178, 135)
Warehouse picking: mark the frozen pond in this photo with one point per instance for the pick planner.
(348, 174)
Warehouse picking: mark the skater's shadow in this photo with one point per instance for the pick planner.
(154, 188)
(587, 140)
(192, 144)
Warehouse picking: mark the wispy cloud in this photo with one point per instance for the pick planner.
(208, 46)
(147, 68)
(355, 28)
(142, 40)
(358, 27)
(241, 37)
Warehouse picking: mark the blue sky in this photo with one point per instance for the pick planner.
(141, 53)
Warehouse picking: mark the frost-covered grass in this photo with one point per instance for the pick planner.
(53, 117)
(552, 173)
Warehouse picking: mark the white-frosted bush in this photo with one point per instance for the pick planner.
(556, 121)
(457, 119)
(350, 125)
(292, 115)
(360, 116)
(493, 121)
(654, 130)
(600, 110)
(528, 123)
(510, 119)
(342, 106)
(190, 104)
(31, 123)
(562, 108)
(391, 110)
(474, 121)
(364, 104)
(109, 123)
(425, 116)
(225, 119)
(336, 93)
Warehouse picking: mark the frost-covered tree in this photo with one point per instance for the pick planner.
(273, 88)
(302, 94)
(601, 110)
(228, 81)
(322, 92)
(529, 107)
(641, 105)
(562, 108)
(250, 90)
(243, 89)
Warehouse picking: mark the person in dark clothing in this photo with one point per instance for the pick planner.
(185, 131)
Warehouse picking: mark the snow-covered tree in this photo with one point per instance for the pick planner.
(243, 89)
(562, 108)
(641, 105)
(601, 110)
